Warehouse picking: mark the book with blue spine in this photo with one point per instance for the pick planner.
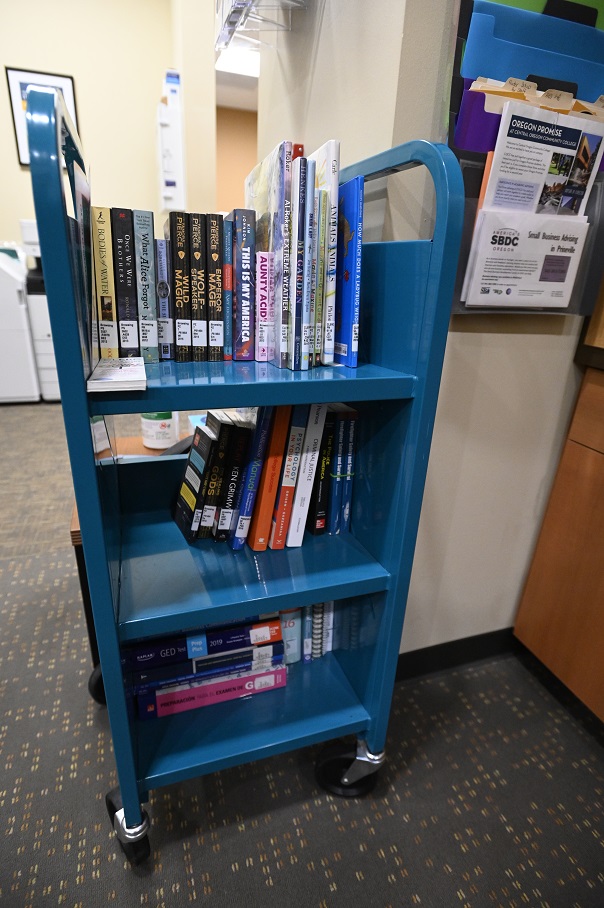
(244, 282)
(146, 283)
(308, 328)
(296, 290)
(227, 287)
(338, 466)
(327, 177)
(268, 190)
(165, 315)
(246, 494)
(348, 274)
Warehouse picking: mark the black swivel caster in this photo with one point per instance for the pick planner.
(96, 687)
(134, 841)
(333, 764)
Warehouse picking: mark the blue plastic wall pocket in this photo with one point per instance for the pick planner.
(504, 41)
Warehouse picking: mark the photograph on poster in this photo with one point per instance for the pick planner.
(18, 82)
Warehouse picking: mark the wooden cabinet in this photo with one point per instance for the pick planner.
(561, 614)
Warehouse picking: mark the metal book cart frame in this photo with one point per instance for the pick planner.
(145, 581)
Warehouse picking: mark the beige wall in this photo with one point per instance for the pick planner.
(374, 76)
(236, 154)
(116, 102)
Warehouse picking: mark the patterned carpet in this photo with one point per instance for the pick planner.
(492, 794)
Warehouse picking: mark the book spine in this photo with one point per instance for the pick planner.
(213, 479)
(105, 282)
(348, 478)
(235, 464)
(321, 258)
(260, 525)
(226, 639)
(283, 262)
(215, 243)
(289, 475)
(199, 302)
(307, 329)
(204, 693)
(125, 281)
(317, 631)
(313, 281)
(307, 633)
(296, 289)
(328, 619)
(291, 631)
(264, 295)
(248, 489)
(253, 658)
(176, 230)
(188, 509)
(319, 501)
(227, 287)
(165, 320)
(146, 284)
(336, 477)
(348, 279)
(332, 174)
(244, 265)
(308, 466)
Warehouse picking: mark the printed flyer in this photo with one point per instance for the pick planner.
(523, 260)
(545, 162)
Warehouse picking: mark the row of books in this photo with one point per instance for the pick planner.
(218, 663)
(230, 661)
(277, 281)
(265, 481)
(311, 229)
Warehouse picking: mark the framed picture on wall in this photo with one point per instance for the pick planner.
(18, 81)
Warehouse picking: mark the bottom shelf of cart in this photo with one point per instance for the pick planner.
(318, 703)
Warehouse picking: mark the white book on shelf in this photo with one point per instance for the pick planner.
(122, 374)
(306, 474)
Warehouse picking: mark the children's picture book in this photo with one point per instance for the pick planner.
(348, 274)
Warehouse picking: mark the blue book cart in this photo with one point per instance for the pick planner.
(146, 582)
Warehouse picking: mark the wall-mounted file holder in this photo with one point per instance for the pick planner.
(505, 40)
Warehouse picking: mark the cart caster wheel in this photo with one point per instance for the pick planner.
(96, 687)
(331, 765)
(137, 850)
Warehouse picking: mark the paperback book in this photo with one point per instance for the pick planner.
(104, 282)
(215, 245)
(327, 177)
(176, 229)
(165, 321)
(146, 283)
(199, 302)
(125, 281)
(348, 274)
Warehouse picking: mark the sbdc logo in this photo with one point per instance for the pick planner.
(505, 238)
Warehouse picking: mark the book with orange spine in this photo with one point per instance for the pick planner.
(260, 526)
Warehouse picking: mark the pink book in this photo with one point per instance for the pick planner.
(205, 693)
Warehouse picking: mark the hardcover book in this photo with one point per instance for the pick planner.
(146, 284)
(289, 475)
(199, 302)
(165, 320)
(306, 475)
(215, 244)
(176, 229)
(227, 287)
(248, 488)
(260, 525)
(244, 282)
(308, 327)
(327, 177)
(296, 290)
(348, 278)
(264, 341)
(104, 282)
(125, 281)
(268, 192)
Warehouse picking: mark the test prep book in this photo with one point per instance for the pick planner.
(545, 162)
